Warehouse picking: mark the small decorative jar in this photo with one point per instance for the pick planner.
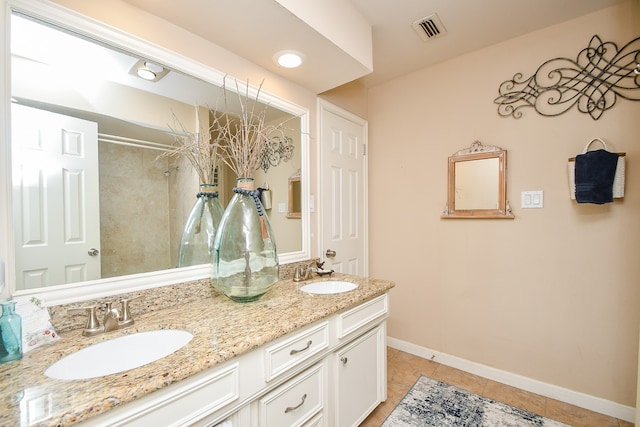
(245, 262)
(11, 333)
(196, 245)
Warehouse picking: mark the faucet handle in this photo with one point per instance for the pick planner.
(92, 327)
(125, 314)
(308, 272)
(297, 275)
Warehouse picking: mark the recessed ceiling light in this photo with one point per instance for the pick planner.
(145, 73)
(153, 67)
(149, 71)
(288, 58)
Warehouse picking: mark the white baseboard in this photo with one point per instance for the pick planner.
(582, 400)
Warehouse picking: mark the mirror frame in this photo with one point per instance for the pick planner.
(73, 21)
(477, 151)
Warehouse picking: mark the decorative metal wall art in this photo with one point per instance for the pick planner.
(592, 82)
(276, 150)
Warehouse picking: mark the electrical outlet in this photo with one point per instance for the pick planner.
(282, 208)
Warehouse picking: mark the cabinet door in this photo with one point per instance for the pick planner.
(361, 377)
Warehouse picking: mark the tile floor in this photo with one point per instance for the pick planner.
(404, 369)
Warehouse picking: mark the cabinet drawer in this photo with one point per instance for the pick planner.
(185, 403)
(289, 352)
(358, 317)
(296, 401)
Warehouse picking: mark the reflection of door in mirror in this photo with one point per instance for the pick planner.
(56, 206)
(477, 184)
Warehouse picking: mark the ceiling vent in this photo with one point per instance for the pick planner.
(429, 28)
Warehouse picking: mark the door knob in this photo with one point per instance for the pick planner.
(330, 253)
(93, 252)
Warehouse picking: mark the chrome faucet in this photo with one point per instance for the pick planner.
(110, 320)
(113, 319)
(303, 272)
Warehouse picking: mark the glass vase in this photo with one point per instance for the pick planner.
(245, 262)
(11, 333)
(196, 245)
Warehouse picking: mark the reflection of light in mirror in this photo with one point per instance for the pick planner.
(45, 82)
(38, 42)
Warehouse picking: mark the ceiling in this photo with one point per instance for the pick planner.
(396, 48)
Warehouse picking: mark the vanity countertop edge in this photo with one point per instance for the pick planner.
(222, 330)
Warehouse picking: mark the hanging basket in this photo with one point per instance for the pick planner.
(618, 182)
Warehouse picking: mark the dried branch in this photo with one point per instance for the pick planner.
(198, 148)
(237, 139)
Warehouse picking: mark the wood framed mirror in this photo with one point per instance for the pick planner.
(295, 201)
(477, 183)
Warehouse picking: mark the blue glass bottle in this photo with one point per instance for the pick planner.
(11, 333)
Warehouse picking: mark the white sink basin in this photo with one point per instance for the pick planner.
(119, 354)
(328, 287)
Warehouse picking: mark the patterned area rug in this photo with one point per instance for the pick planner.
(432, 403)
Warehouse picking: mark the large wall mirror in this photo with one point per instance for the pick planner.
(477, 183)
(72, 73)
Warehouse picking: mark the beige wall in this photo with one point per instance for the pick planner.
(351, 97)
(553, 295)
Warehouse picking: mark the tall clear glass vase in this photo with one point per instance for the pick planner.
(245, 262)
(196, 245)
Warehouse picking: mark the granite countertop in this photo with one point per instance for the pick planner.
(222, 329)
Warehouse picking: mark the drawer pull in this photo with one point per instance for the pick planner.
(294, 351)
(344, 359)
(293, 408)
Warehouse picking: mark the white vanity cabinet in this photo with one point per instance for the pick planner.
(330, 373)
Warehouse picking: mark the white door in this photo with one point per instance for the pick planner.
(55, 198)
(343, 201)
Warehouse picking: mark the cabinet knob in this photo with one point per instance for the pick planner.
(293, 408)
(344, 359)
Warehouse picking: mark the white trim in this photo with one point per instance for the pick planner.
(5, 155)
(562, 394)
(325, 106)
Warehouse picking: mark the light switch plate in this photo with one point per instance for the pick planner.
(532, 199)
